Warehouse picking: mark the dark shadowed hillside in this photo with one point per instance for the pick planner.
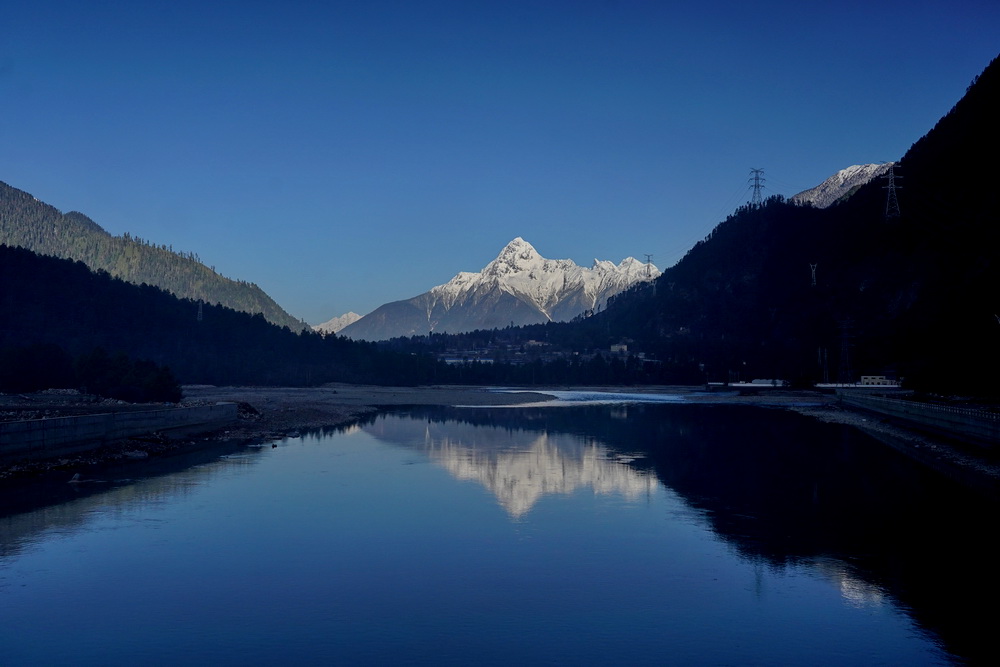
(31, 224)
(810, 295)
(51, 301)
(913, 296)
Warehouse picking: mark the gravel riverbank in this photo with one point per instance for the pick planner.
(265, 414)
(271, 413)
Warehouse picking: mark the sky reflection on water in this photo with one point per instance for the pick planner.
(576, 397)
(450, 537)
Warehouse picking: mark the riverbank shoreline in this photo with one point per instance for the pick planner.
(265, 414)
(268, 414)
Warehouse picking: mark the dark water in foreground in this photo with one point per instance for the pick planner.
(641, 534)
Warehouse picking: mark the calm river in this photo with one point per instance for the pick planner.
(621, 534)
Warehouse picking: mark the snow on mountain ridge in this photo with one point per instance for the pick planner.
(337, 323)
(840, 184)
(519, 286)
(521, 272)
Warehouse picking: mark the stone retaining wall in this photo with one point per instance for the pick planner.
(43, 438)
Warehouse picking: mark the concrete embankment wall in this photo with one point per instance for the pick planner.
(42, 438)
(979, 426)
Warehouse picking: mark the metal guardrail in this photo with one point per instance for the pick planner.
(928, 407)
(971, 424)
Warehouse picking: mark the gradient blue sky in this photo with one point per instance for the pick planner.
(346, 154)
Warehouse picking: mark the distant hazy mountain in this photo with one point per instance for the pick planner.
(32, 224)
(841, 185)
(337, 323)
(518, 287)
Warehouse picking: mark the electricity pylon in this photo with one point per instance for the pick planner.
(891, 202)
(757, 179)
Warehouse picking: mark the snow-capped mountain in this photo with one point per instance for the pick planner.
(337, 323)
(518, 287)
(841, 184)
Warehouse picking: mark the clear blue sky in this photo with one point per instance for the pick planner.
(346, 154)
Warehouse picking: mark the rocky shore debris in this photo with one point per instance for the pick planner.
(247, 412)
(275, 416)
(268, 414)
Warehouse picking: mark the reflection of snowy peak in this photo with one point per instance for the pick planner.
(518, 287)
(840, 185)
(520, 477)
(518, 467)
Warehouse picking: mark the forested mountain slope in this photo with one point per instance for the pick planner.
(913, 296)
(31, 224)
(51, 301)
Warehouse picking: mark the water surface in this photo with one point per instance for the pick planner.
(627, 534)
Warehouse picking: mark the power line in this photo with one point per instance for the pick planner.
(788, 187)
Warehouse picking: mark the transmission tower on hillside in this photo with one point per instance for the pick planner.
(891, 202)
(757, 181)
(649, 267)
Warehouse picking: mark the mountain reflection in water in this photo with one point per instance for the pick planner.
(633, 534)
(781, 488)
(518, 467)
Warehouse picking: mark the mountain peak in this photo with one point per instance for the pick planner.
(337, 323)
(516, 256)
(520, 248)
(518, 287)
(842, 184)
